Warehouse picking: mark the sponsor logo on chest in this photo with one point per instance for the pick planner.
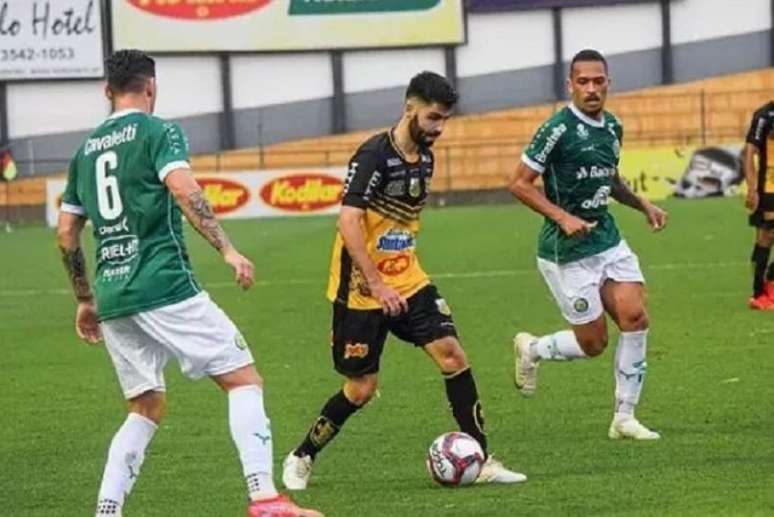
(594, 172)
(395, 240)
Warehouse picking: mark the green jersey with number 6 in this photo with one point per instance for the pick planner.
(117, 181)
(577, 157)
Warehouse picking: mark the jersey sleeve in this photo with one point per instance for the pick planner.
(759, 128)
(543, 148)
(362, 179)
(168, 148)
(71, 203)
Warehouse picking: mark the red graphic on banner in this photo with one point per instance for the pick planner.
(199, 9)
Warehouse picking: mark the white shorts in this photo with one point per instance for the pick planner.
(576, 285)
(195, 331)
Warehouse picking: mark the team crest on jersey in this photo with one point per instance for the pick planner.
(581, 305)
(396, 188)
(582, 132)
(415, 188)
(443, 307)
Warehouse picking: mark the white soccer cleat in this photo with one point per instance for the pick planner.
(525, 374)
(494, 472)
(630, 428)
(296, 472)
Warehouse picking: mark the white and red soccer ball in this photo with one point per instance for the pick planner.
(455, 459)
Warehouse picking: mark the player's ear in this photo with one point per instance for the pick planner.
(108, 92)
(409, 107)
(568, 85)
(150, 88)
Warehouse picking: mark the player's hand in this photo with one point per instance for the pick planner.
(657, 218)
(392, 303)
(575, 226)
(243, 268)
(751, 200)
(87, 324)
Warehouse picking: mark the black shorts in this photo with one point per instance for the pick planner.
(358, 336)
(762, 219)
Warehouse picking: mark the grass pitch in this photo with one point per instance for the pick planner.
(710, 390)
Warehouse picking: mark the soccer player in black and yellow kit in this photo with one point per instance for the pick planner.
(760, 202)
(377, 286)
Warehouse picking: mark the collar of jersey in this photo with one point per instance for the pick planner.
(585, 118)
(121, 113)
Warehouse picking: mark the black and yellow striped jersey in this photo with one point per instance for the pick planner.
(761, 135)
(392, 192)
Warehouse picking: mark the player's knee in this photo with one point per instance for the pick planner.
(151, 404)
(448, 355)
(634, 321)
(766, 238)
(593, 345)
(360, 390)
(245, 376)
(454, 361)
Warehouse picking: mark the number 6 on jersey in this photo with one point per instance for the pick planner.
(108, 197)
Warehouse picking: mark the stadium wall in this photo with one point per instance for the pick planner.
(508, 61)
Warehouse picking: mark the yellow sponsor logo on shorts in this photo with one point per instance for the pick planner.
(355, 350)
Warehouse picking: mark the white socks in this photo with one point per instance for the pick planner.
(630, 368)
(125, 457)
(560, 346)
(251, 432)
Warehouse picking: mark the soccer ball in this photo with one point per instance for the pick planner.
(455, 459)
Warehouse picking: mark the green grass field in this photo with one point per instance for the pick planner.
(710, 388)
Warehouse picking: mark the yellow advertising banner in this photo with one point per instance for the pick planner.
(284, 25)
(688, 172)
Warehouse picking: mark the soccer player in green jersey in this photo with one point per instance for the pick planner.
(131, 178)
(588, 267)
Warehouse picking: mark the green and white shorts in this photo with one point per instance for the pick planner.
(195, 331)
(576, 285)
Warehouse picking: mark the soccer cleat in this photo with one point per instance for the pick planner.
(525, 375)
(630, 428)
(494, 472)
(762, 303)
(768, 290)
(296, 471)
(280, 506)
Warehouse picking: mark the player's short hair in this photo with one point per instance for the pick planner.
(129, 70)
(431, 87)
(588, 54)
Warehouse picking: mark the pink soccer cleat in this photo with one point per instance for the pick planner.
(280, 506)
(762, 303)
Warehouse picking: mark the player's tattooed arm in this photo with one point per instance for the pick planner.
(199, 212)
(68, 237)
(196, 208)
(75, 265)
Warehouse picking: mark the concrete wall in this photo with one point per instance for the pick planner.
(507, 61)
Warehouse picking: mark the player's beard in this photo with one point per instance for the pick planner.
(598, 107)
(419, 135)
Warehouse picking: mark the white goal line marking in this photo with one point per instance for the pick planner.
(700, 267)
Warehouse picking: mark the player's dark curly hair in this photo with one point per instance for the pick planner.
(129, 70)
(588, 54)
(431, 87)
